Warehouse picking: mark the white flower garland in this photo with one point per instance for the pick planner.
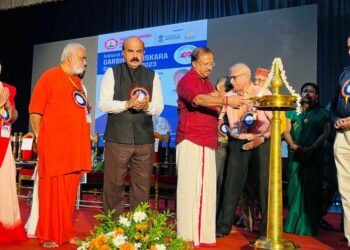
(284, 79)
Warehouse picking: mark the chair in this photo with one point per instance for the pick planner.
(94, 145)
(25, 167)
(166, 178)
(25, 172)
(91, 183)
(16, 146)
(30, 153)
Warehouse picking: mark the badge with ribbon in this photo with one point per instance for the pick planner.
(223, 129)
(236, 131)
(5, 115)
(249, 119)
(81, 101)
(345, 91)
(143, 92)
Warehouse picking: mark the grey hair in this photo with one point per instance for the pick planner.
(241, 65)
(69, 48)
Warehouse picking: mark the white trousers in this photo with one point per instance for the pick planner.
(342, 161)
(196, 193)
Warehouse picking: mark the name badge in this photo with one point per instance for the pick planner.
(249, 119)
(6, 131)
(223, 128)
(345, 91)
(143, 92)
(236, 131)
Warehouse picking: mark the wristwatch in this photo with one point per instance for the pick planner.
(264, 137)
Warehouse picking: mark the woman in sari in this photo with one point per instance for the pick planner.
(11, 227)
(305, 135)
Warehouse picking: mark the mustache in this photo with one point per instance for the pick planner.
(134, 59)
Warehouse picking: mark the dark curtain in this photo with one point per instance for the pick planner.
(332, 52)
(22, 28)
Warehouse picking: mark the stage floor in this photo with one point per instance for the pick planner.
(238, 239)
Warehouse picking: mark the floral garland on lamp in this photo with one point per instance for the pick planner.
(267, 83)
(141, 229)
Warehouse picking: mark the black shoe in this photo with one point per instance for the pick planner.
(343, 239)
(219, 235)
(326, 226)
(240, 222)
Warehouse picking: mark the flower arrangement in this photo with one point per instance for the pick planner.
(284, 79)
(141, 229)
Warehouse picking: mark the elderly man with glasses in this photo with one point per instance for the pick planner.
(249, 143)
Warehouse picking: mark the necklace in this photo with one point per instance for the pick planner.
(79, 95)
(305, 115)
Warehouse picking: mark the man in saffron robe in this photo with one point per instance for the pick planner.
(60, 118)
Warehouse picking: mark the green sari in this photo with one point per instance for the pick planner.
(305, 191)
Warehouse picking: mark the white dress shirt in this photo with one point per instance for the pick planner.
(108, 105)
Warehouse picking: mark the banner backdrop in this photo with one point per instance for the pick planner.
(167, 51)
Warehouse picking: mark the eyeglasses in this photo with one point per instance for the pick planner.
(235, 77)
(207, 65)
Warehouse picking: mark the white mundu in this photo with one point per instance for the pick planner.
(196, 193)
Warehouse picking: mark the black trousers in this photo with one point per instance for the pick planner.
(235, 178)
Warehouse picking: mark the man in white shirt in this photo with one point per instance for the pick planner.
(130, 94)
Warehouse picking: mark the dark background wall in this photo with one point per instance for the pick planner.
(21, 28)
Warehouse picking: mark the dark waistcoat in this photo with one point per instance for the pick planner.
(130, 126)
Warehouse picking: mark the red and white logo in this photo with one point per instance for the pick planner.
(111, 44)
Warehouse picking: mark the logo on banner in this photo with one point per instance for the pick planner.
(161, 38)
(183, 54)
(111, 44)
(190, 35)
(172, 37)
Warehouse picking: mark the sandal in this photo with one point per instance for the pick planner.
(50, 244)
(74, 240)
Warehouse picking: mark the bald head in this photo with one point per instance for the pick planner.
(133, 51)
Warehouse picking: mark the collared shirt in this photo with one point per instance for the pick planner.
(108, 105)
(239, 127)
(196, 124)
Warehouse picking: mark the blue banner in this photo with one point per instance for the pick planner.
(160, 57)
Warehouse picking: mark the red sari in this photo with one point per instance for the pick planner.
(11, 227)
